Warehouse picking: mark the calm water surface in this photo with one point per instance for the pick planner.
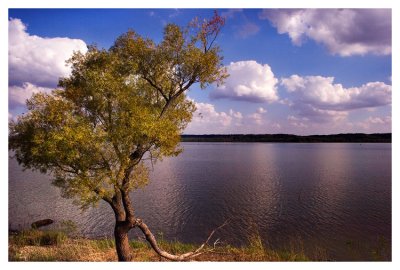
(333, 197)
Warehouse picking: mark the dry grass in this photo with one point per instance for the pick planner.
(37, 245)
(68, 250)
(34, 245)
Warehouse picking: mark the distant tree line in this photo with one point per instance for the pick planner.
(290, 138)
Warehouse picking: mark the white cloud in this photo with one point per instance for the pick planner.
(207, 119)
(319, 122)
(343, 31)
(38, 60)
(382, 123)
(297, 122)
(248, 81)
(18, 95)
(318, 99)
(235, 115)
(256, 118)
(322, 94)
(308, 112)
(206, 114)
(261, 110)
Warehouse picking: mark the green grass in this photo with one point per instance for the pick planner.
(39, 238)
(103, 244)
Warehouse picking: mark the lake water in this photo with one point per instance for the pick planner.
(330, 197)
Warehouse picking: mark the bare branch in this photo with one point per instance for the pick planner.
(186, 256)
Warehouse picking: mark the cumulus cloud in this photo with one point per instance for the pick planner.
(320, 92)
(318, 99)
(19, 94)
(343, 31)
(309, 113)
(206, 114)
(256, 118)
(297, 121)
(38, 60)
(382, 123)
(320, 122)
(207, 119)
(248, 81)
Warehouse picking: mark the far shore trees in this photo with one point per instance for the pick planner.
(117, 109)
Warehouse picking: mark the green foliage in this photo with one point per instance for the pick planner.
(117, 109)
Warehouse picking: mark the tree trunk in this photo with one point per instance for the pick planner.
(122, 242)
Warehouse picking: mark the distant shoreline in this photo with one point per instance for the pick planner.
(290, 138)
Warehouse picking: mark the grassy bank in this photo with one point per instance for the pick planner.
(35, 245)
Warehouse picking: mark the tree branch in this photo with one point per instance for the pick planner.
(156, 87)
(186, 256)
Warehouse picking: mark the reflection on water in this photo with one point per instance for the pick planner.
(326, 195)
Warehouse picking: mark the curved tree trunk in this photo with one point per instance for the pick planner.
(121, 228)
(122, 242)
(125, 221)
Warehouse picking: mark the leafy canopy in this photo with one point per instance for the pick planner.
(117, 109)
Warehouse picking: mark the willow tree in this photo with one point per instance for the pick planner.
(118, 109)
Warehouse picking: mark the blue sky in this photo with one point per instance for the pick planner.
(312, 71)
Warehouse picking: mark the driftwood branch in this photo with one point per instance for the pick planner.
(183, 257)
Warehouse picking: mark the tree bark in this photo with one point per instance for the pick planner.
(121, 228)
(122, 242)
